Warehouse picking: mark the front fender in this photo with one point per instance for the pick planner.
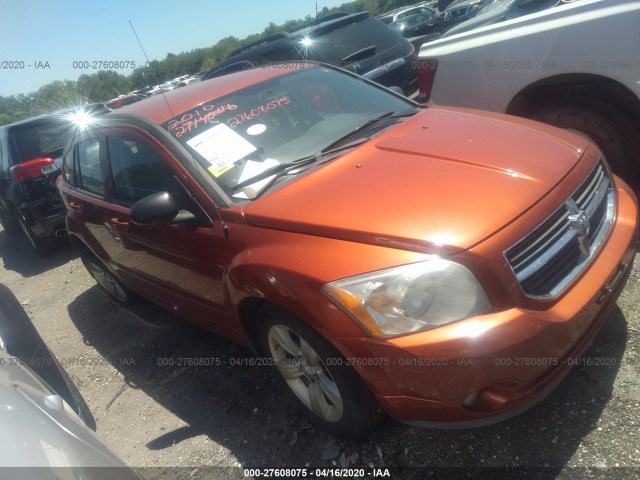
(289, 269)
(294, 290)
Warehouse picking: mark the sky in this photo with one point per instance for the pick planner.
(41, 39)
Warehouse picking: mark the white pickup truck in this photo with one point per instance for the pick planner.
(576, 66)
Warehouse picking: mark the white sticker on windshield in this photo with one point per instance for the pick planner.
(256, 129)
(251, 169)
(221, 147)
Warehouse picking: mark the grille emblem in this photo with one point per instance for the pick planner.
(579, 221)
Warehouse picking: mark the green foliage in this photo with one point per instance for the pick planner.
(104, 85)
(58, 95)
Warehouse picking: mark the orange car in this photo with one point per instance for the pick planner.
(442, 265)
(120, 102)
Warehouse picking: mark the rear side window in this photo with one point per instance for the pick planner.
(89, 168)
(43, 139)
(137, 170)
(280, 51)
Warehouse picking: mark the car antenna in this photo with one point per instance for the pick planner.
(225, 228)
(148, 62)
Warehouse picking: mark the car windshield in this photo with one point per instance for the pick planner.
(411, 21)
(414, 11)
(277, 123)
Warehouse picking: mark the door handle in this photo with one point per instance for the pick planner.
(120, 222)
(75, 206)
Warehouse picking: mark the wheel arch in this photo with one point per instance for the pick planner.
(247, 312)
(80, 246)
(576, 85)
(252, 286)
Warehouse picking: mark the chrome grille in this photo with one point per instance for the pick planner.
(554, 253)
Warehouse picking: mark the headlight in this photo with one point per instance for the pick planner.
(410, 298)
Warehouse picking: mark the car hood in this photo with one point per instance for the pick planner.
(442, 180)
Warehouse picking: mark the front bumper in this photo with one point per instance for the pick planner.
(489, 368)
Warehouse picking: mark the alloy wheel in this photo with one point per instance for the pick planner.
(108, 282)
(305, 373)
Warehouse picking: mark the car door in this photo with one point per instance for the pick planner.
(178, 266)
(84, 193)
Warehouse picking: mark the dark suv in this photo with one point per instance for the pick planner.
(355, 42)
(30, 152)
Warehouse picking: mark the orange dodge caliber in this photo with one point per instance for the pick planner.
(442, 265)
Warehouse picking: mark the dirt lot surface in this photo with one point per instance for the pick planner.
(156, 412)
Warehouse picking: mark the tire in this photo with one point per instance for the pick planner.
(9, 222)
(333, 397)
(42, 246)
(606, 125)
(110, 284)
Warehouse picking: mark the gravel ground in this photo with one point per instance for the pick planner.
(175, 421)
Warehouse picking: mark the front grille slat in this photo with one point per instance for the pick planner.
(591, 189)
(541, 243)
(551, 272)
(546, 257)
(554, 253)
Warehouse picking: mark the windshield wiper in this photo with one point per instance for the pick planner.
(366, 125)
(282, 169)
(279, 170)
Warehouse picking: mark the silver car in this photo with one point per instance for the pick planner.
(44, 421)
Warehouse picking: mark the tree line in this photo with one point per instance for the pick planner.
(104, 85)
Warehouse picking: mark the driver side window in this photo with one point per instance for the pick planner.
(137, 170)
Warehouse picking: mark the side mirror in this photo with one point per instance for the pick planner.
(159, 209)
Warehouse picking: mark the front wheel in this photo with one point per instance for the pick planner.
(315, 374)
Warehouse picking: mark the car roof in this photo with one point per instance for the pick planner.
(163, 107)
(32, 120)
(56, 116)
